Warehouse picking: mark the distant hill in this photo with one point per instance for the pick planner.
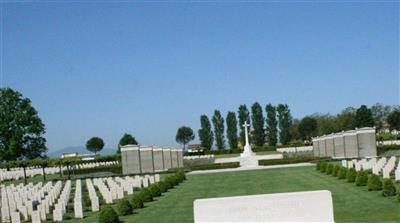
(80, 150)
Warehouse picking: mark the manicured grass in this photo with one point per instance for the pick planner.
(351, 203)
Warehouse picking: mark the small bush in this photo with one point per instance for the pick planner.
(388, 188)
(124, 207)
(136, 202)
(398, 195)
(329, 169)
(342, 172)
(351, 175)
(361, 178)
(155, 190)
(181, 176)
(335, 170)
(318, 166)
(163, 186)
(374, 182)
(145, 195)
(323, 167)
(108, 215)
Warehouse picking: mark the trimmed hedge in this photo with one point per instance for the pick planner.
(155, 190)
(216, 166)
(108, 215)
(388, 188)
(145, 195)
(374, 182)
(323, 167)
(361, 178)
(136, 202)
(342, 172)
(288, 161)
(124, 207)
(329, 168)
(117, 169)
(384, 148)
(335, 171)
(318, 166)
(398, 195)
(351, 175)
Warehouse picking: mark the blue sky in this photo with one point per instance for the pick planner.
(102, 69)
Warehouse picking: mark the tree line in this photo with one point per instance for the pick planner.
(275, 124)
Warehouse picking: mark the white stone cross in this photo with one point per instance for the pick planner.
(247, 148)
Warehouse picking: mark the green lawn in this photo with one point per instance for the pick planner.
(351, 203)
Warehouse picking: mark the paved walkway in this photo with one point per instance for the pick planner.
(250, 168)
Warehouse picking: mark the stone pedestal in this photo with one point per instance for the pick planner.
(248, 161)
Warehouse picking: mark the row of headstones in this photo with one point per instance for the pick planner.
(149, 159)
(34, 207)
(379, 166)
(18, 173)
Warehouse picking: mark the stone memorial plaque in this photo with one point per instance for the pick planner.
(158, 159)
(310, 206)
(174, 158)
(350, 144)
(329, 146)
(338, 140)
(167, 159)
(366, 138)
(180, 158)
(315, 147)
(130, 159)
(146, 159)
(321, 146)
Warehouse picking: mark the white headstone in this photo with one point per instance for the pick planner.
(311, 206)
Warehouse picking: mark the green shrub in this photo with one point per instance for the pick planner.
(361, 178)
(329, 169)
(155, 190)
(384, 148)
(374, 182)
(318, 166)
(388, 188)
(163, 186)
(124, 207)
(398, 195)
(323, 167)
(335, 171)
(108, 215)
(136, 202)
(342, 172)
(181, 176)
(145, 195)
(351, 175)
(216, 166)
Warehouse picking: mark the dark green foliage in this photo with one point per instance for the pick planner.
(163, 187)
(184, 135)
(308, 128)
(205, 133)
(285, 121)
(155, 190)
(398, 195)
(218, 122)
(374, 182)
(342, 172)
(364, 117)
(95, 144)
(335, 171)
(351, 175)
(287, 161)
(257, 119)
(216, 166)
(318, 166)
(108, 215)
(388, 188)
(127, 139)
(324, 166)
(384, 148)
(136, 202)
(145, 195)
(243, 115)
(231, 130)
(394, 120)
(181, 176)
(124, 207)
(109, 169)
(272, 125)
(329, 168)
(21, 129)
(361, 178)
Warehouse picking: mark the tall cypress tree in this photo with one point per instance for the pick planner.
(231, 130)
(257, 118)
(205, 133)
(364, 117)
(243, 115)
(285, 121)
(272, 128)
(218, 122)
